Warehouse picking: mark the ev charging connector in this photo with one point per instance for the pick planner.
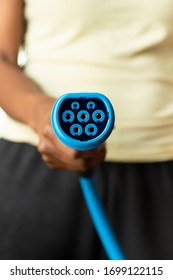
(84, 121)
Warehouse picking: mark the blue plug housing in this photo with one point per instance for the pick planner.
(83, 120)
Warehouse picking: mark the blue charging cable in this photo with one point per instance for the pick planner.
(84, 121)
(100, 219)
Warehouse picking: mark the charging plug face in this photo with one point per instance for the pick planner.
(82, 121)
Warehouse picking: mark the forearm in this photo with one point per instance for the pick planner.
(20, 97)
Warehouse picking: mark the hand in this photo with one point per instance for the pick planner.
(57, 155)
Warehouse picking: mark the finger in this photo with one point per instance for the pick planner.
(49, 134)
(51, 163)
(45, 146)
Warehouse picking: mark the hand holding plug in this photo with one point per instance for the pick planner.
(58, 155)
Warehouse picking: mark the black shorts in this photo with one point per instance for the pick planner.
(43, 214)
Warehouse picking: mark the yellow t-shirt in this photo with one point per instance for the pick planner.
(123, 49)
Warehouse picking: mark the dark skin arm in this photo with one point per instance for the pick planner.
(24, 101)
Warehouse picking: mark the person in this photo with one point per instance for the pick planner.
(123, 50)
